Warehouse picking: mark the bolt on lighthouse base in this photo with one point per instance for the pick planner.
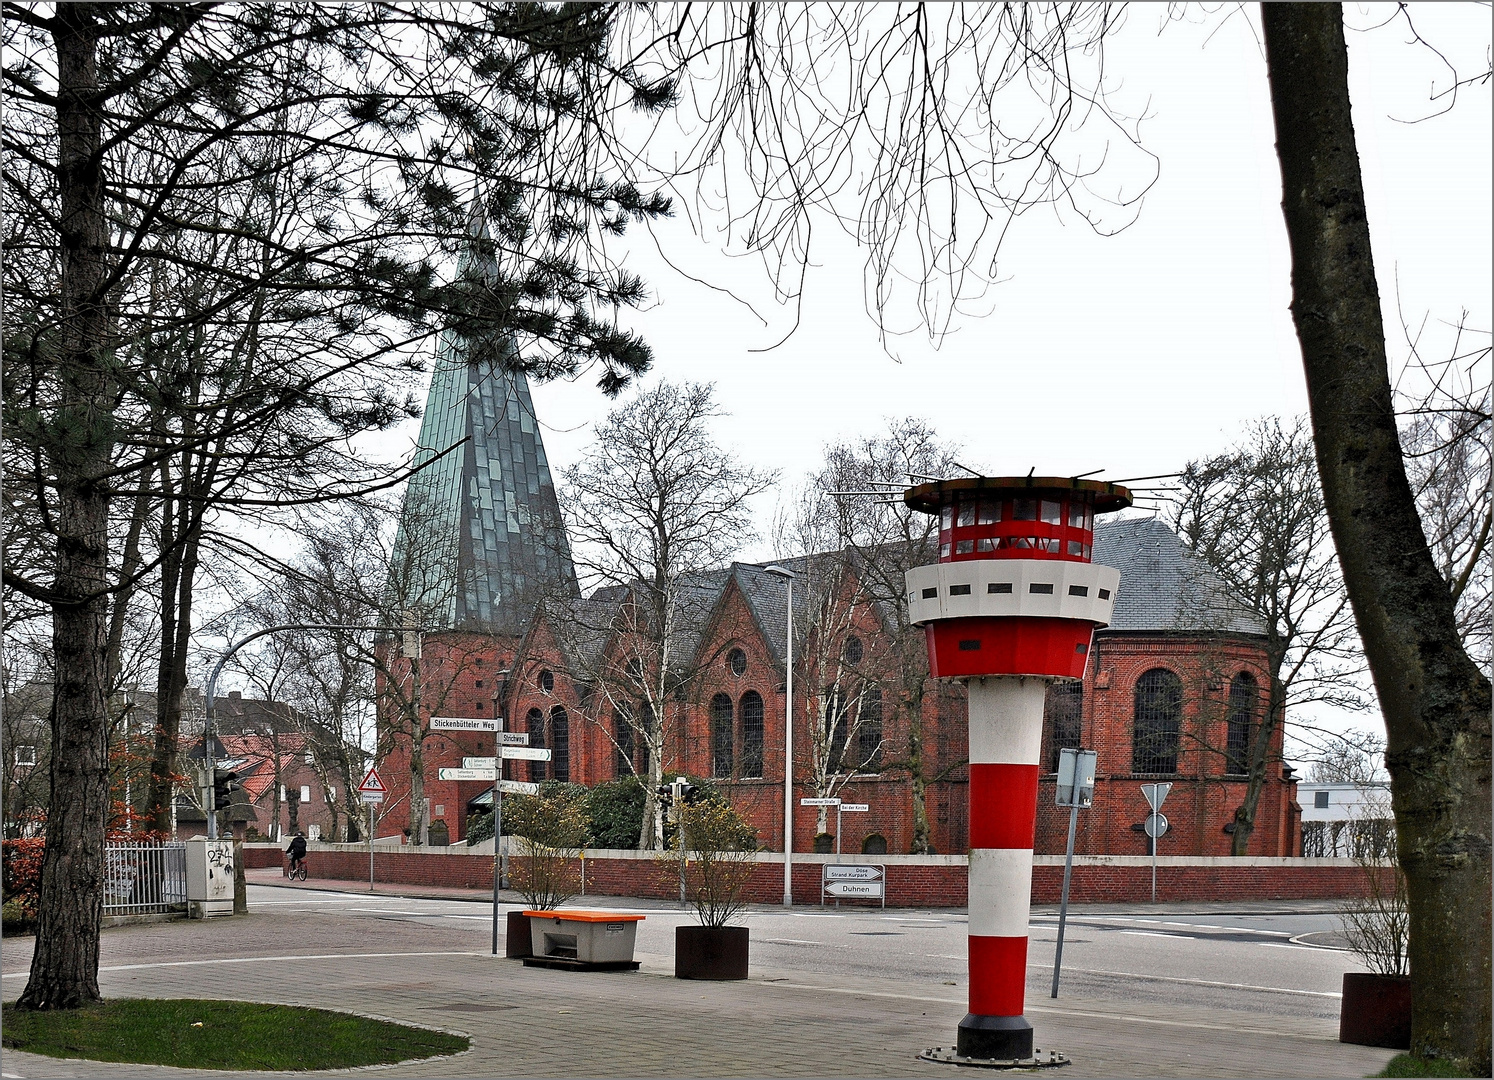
(1040, 1059)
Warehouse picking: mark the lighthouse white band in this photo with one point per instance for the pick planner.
(1006, 719)
(1000, 891)
(1059, 594)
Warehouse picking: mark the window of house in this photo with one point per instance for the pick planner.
(283, 797)
(1063, 716)
(751, 709)
(534, 723)
(560, 744)
(477, 706)
(547, 681)
(25, 755)
(305, 792)
(736, 662)
(853, 650)
(1158, 722)
(310, 760)
(869, 731)
(723, 724)
(478, 684)
(622, 735)
(1320, 800)
(1244, 699)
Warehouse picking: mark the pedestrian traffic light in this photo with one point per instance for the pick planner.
(666, 794)
(225, 783)
(692, 795)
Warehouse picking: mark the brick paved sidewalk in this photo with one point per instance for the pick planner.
(537, 1022)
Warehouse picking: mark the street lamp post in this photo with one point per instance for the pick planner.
(788, 741)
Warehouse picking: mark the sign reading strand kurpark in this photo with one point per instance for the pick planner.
(859, 881)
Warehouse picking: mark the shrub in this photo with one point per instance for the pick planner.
(615, 812)
(551, 827)
(718, 849)
(20, 873)
(480, 828)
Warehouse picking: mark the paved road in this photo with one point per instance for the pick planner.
(849, 993)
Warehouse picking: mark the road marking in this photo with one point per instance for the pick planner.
(1157, 933)
(1284, 945)
(1190, 982)
(787, 941)
(266, 960)
(1127, 1016)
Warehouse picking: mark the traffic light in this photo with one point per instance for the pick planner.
(666, 794)
(692, 795)
(225, 783)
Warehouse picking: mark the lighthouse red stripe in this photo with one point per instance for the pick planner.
(998, 975)
(1003, 805)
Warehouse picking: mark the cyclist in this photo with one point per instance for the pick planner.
(297, 853)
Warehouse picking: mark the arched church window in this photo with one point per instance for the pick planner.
(622, 735)
(751, 708)
(1063, 715)
(1244, 700)
(1159, 716)
(560, 744)
(723, 721)
(534, 723)
(869, 731)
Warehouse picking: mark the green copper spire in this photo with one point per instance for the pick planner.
(481, 539)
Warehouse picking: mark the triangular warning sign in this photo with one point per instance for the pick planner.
(372, 782)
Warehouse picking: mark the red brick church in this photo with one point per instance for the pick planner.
(1173, 690)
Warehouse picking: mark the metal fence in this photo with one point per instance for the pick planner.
(144, 878)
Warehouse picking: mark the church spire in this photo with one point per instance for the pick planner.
(481, 539)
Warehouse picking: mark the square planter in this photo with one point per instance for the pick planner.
(710, 952)
(518, 942)
(1376, 1011)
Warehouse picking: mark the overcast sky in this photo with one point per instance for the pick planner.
(1131, 353)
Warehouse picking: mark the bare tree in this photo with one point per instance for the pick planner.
(859, 491)
(127, 125)
(1255, 515)
(653, 504)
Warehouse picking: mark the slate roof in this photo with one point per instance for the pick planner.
(481, 538)
(1164, 587)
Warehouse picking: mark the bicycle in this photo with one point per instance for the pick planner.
(298, 870)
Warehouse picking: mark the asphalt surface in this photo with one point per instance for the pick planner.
(1203, 990)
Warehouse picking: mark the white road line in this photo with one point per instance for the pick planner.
(1156, 933)
(1284, 945)
(266, 960)
(1193, 982)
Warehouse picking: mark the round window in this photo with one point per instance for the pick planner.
(736, 660)
(547, 681)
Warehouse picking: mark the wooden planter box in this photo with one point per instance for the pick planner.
(518, 943)
(1376, 1011)
(710, 952)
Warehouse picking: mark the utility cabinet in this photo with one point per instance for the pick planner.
(209, 878)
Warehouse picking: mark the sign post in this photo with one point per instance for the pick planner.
(1076, 789)
(371, 791)
(1156, 823)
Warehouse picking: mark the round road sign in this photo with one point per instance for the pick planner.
(1156, 825)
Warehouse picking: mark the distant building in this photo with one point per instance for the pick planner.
(1175, 689)
(1347, 820)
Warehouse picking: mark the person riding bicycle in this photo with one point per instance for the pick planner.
(297, 852)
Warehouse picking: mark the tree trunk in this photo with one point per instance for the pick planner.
(919, 844)
(1258, 747)
(1435, 701)
(65, 963)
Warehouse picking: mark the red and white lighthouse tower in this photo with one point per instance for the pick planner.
(1010, 607)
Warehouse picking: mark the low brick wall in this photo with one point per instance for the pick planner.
(258, 856)
(912, 881)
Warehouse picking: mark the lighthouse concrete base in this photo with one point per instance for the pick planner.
(1006, 1037)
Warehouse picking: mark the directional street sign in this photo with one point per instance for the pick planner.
(463, 723)
(853, 873)
(479, 763)
(517, 787)
(525, 753)
(467, 774)
(513, 738)
(1155, 795)
(854, 807)
(819, 802)
(869, 890)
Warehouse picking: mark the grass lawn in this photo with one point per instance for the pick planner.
(1406, 1065)
(235, 1035)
